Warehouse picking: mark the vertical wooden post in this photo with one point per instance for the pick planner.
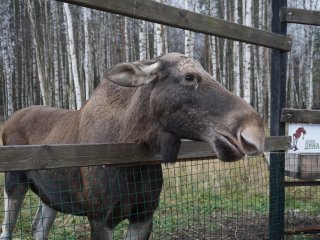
(278, 99)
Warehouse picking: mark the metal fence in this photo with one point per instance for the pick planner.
(204, 199)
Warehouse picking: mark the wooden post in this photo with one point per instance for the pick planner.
(277, 128)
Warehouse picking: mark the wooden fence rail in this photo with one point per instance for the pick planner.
(32, 157)
(300, 16)
(180, 18)
(290, 115)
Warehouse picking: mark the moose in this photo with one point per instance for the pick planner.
(154, 103)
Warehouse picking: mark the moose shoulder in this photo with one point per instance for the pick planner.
(155, 103)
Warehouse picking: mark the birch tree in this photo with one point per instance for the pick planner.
(73, 57)
(236, 47)
(246, 53)
(265, 65)
(127, 39)
(7, 55)
(44, 50)
(87, 54)
(142, 40)
(160, 37)
(56, 83)
(189, 35)
(157, 39)
(39, 60)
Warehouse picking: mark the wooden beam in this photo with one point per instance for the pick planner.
(301, 16)
(180, 18)
(31, 157)
(290, 115)
(304, 183)
(302, 230)
(278, 143)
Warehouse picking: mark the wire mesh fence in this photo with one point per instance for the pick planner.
(203, 199)
(302, 215)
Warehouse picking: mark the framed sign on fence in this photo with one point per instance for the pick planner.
(303, 159)
(305, 138)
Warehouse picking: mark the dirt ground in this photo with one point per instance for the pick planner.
(249, 227)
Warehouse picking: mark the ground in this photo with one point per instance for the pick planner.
(247, 227)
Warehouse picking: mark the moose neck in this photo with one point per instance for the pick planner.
(117, 114)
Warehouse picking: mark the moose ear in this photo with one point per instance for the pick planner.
(170, 146)
(133, 74)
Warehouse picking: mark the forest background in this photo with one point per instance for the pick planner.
(54, 54)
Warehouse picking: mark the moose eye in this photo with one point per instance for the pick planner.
(189, 77)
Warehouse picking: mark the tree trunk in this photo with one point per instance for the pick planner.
(39, 62)
(73, 57)
(189, 35)
(87, 53)
(158, 44)
(246, 53)
(142, 40)
(128, 40)
(55, 98)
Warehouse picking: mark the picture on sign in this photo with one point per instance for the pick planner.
(305, 138)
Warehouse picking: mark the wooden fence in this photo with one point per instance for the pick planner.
(32, 157)
(184, 19)
(57, 156)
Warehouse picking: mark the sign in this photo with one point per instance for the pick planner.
(305, 138)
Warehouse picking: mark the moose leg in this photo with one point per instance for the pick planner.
(139, 230)
(99, 230)
(43, 221)
(14, 192)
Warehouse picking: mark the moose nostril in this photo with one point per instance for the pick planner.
(252, 141)
(247, 146)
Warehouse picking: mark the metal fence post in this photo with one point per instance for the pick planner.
(278, 99)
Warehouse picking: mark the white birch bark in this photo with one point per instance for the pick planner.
(189, 35)
(40, 66)
(7, 53)
(310, 95)
(160, 37)
(87, 49)
(164, 36)
(55, 54)
(213, 56)
(6, 56)
(212, 42)
(189, 43)
(73, 57)
(70, 88)
(45, 53)
(142, 40)
(236, 57)
(63, 73)
(157, 39)
(127, 36)
(246, 51)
